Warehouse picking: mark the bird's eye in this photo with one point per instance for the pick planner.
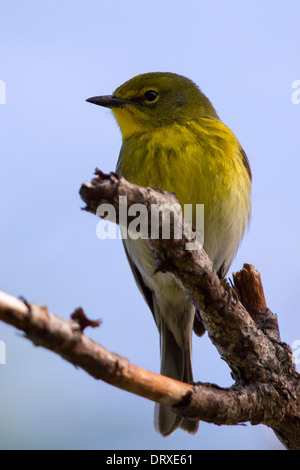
(150, 95)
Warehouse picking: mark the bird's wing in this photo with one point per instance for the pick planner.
(246, 163)
(146, 292)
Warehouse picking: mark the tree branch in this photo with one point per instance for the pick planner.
(66, 338)
(245, 332)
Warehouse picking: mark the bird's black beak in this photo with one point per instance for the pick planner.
(108, 101)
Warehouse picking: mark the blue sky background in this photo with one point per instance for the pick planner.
(55, 54)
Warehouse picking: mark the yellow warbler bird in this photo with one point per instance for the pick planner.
(174, 139)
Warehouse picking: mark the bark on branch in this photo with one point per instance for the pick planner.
(67, 339)
(245, 332)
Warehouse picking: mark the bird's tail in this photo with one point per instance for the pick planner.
(175, 363)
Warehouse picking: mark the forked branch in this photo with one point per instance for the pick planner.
(245, 332)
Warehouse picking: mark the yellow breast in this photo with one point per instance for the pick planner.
(202, 163)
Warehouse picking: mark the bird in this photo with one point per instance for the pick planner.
(173, 139)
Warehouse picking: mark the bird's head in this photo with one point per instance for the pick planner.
(154, 100)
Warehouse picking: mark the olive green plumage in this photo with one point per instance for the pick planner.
(174, 139)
